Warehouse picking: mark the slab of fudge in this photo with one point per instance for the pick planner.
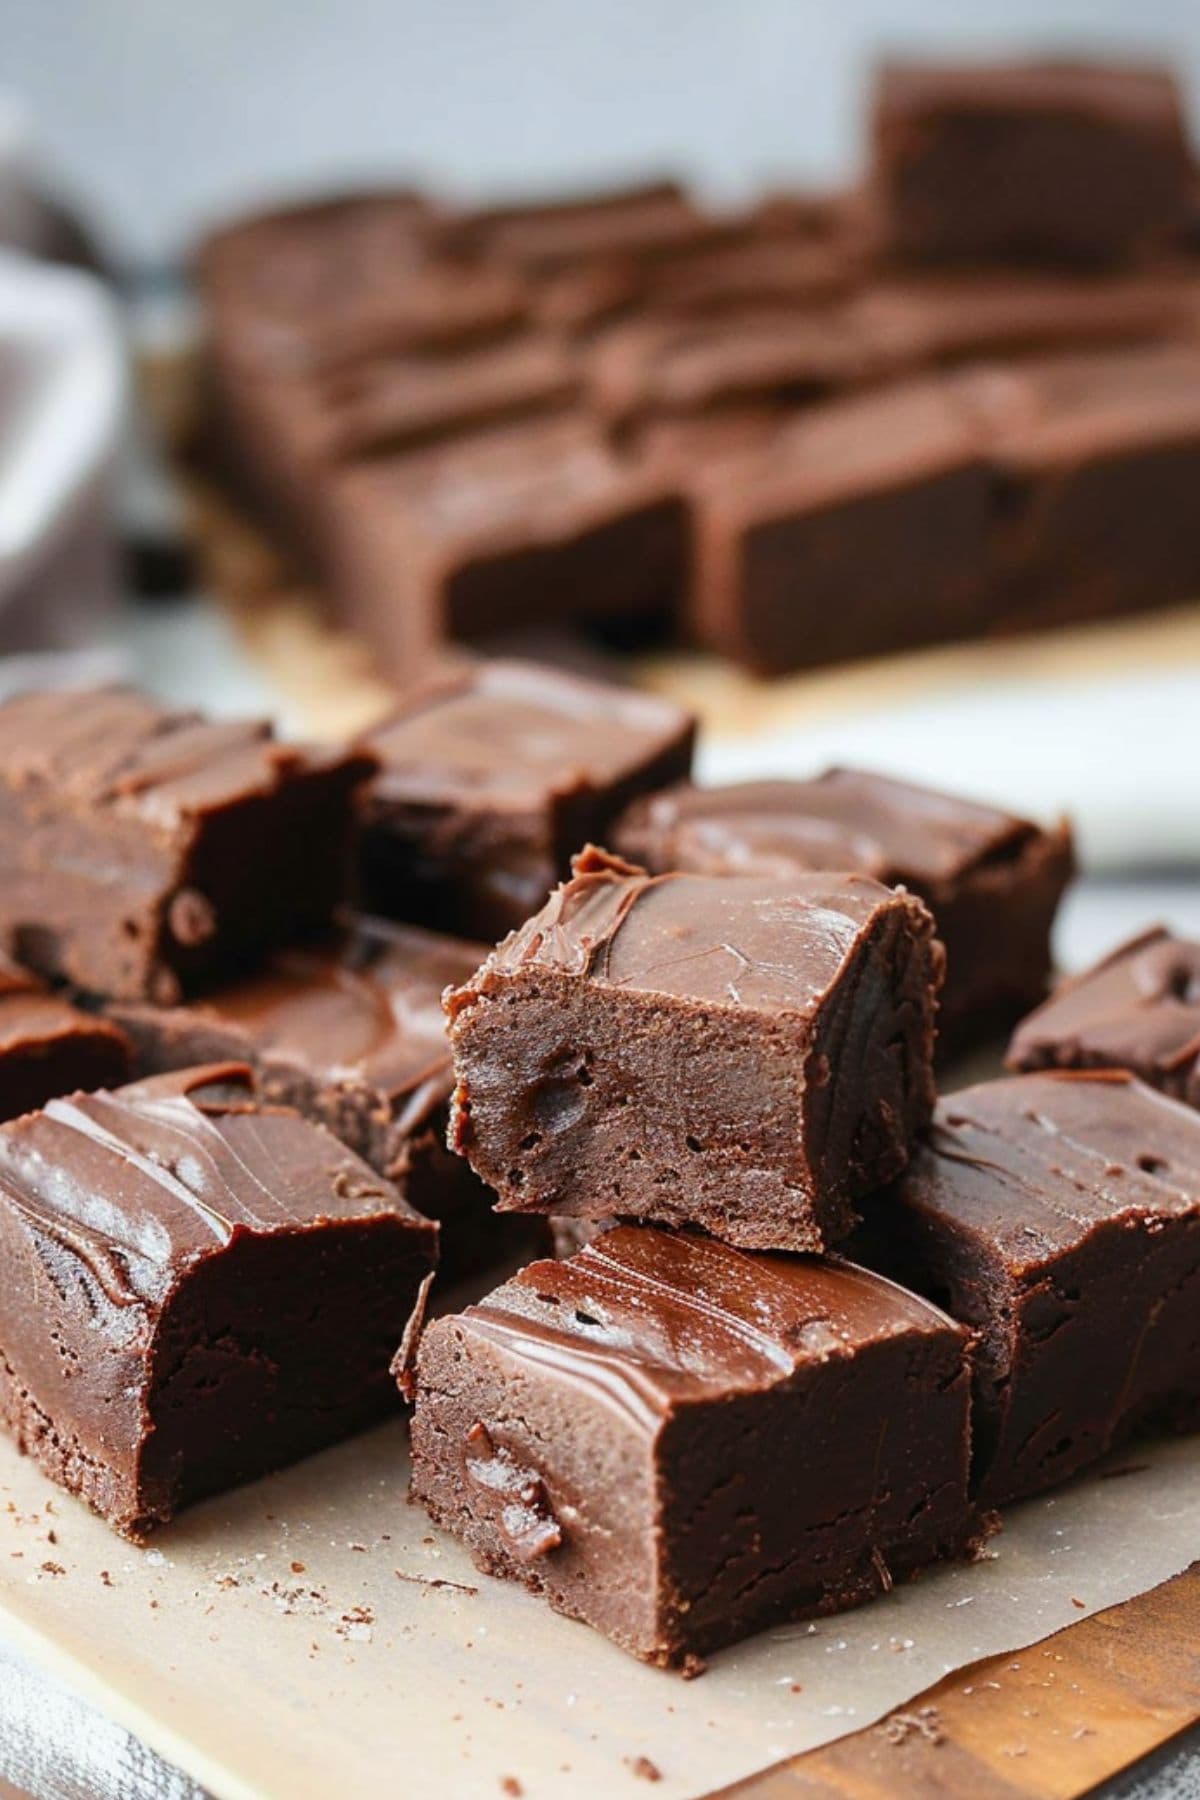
(315, 287)
(490, 780)
(197, 1289)
(48, 1046)
(919, 321)
(1058, 1215)
(1136, 1009)
(746, 1055)
(145, 851)
(526, 523)
(992, 881)
(680, 1443)
(662, 367)
(863, 526)
(634, 223)
(1098, 459)
(1052, 162)
(352, 1034)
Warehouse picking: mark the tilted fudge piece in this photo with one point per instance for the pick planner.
(638, 223)
(861, 527)
(1052, 162)
(993, 882)
(680, 1443)
(745, 1055)
(490, 781)
(319, 286)
(530, 522)
(48, 1046)
(1059, 1216)
(197, 1289)
(145, 851)
(1098, 459)
(1137, 1009)
(352, 1034)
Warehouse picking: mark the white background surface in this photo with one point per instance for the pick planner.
(163, 110)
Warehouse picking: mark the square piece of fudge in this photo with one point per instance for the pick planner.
(144, 852)
(198, 1289)
(992, 881)
(745, 1055)
(861, 527)
(351, 1033)
(1137, 1009)
(1058, 1215)
(1097, 461)
(529, 522)
(680, 1443)
(490, 780)
(48, 1046)
(1053, 162)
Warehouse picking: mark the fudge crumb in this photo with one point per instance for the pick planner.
(106, 1578)
(924, 1723)
(510, 1785)
(356, 1625)
(1079, 1603)
(297, 1568)
(53, 1568)
(436, 1581)
(644, 1768)
(52, 1537)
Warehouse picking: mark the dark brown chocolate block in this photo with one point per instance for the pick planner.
(992, 881)
(523, 524)
(352, 1034)
(861, 527)
(1137, 1009)
(144, 852)
(1098, 462)
(635, 223)
(197, 1289)
(1059, 1216)
(745, 1055)
(316, 287)
(679, 1443)
(1052, 162)
(48, 1046)
(489, 782)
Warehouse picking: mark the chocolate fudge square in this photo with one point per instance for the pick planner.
(530, 522)
(992, 881)
(352, 1034)
(1053, 162)
(861, 527)
(48, 1046)
(1136, 1009)
(198, 1289)
(1097, 458)
(490, 780)
(633, 224)
(1058, 1215)
(745, 1055)
(679, 1443)
(317, 287)
(145, 851)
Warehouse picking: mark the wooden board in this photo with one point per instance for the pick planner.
(1045, 1724)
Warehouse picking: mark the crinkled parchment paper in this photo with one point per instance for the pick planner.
(313, 1635)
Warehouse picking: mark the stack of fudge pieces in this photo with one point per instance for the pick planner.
(807, 1326)
(962, 398)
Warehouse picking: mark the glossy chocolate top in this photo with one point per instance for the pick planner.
(114, 749)
(31, 1015)
(1032, 1163)
(1052, 408)
(142, 1182)
(1138, 93)
(1137, 1009)
(511, 732)
(776, 945)
(367, 1009)
(651, 1317)
(633, 222)
(844, 819)
(503, 487)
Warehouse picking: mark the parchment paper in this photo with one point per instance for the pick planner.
(313, 1635)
